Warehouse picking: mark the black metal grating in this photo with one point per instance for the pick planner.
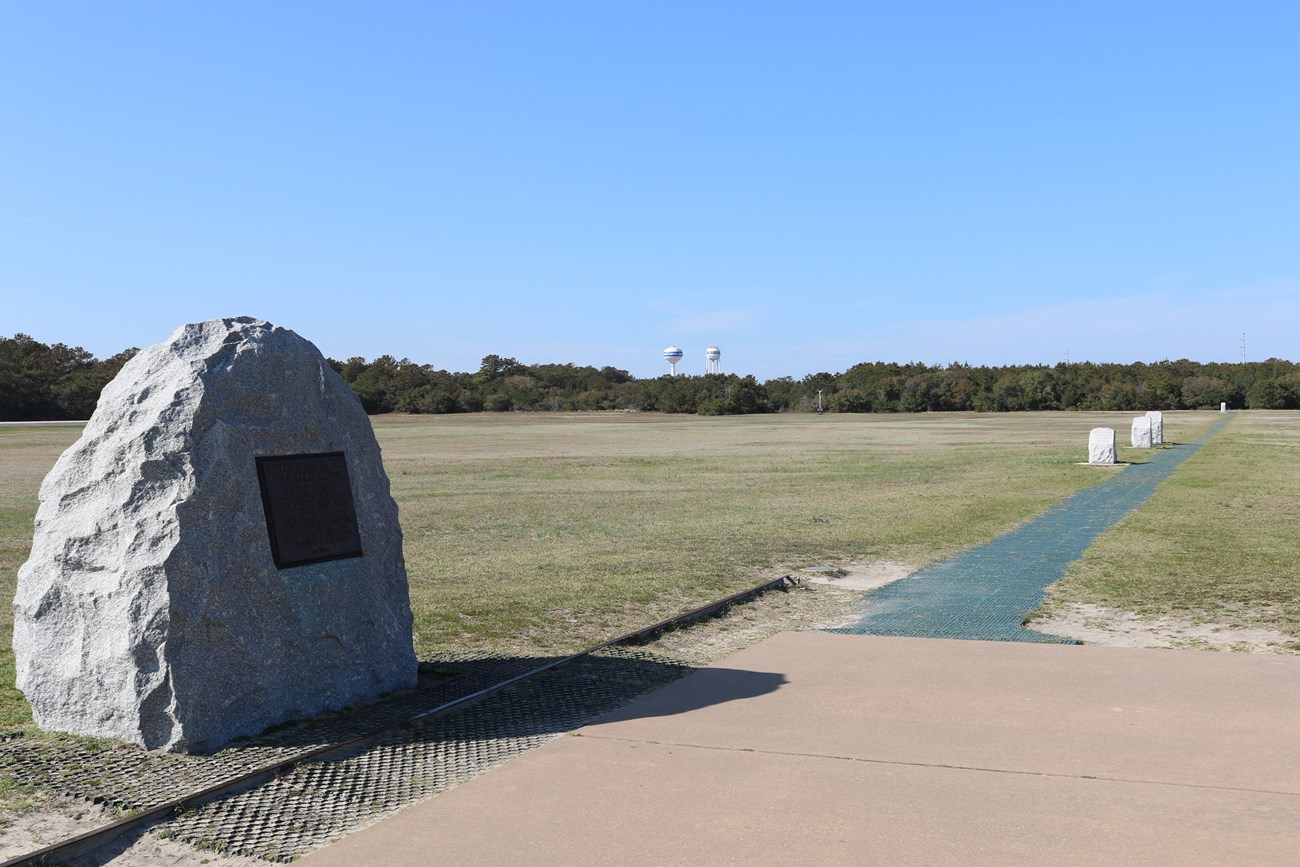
(324, 800)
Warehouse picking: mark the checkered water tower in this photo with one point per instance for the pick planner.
(672, 355)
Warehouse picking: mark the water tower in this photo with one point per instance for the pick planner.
(713, 360)
(672, 355)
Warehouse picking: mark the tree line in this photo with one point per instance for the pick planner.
(49, 383)
(40, 382)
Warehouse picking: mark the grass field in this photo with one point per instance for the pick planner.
(545, 533)
(1219, 542)
(553, 531)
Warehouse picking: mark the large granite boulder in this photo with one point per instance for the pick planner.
(170, 600)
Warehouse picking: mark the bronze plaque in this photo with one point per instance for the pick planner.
(310, 516)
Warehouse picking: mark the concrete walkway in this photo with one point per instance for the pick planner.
(881, 750)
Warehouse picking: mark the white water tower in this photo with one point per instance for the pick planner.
(672, 355)
(713, 360)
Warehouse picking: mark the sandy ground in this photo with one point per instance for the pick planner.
(808, 605)
(1093, 624)
(53, 821)
(45, 822)
(865, 575)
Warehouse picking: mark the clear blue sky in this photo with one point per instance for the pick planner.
(807, 185)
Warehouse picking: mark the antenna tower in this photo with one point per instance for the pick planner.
(1243, 347)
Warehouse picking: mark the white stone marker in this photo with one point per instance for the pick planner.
(1101, 445)
(1223, 407)
(1157, 427)
(1142, 432)
(218, 553)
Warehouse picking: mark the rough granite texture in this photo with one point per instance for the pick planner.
(1141, 435)
(1101, 445)
(1157, 427)
(151, 610)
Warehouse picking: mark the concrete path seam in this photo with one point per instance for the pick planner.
(939, 765)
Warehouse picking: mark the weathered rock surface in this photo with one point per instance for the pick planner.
(150, 609)
(1101, 445)
(1157, 427)
(1141, 434)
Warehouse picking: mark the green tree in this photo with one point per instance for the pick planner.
(1267, 394)
(1199, 392)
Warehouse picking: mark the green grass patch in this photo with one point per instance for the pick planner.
(1218, 541)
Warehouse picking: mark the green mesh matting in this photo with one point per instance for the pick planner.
(986, 593)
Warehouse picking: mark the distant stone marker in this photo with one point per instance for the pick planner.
(218, 553)
(1141, 432)
(1223, 407)
(1101, 445)
(1157, 427)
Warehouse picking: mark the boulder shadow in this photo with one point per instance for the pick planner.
(703, 688)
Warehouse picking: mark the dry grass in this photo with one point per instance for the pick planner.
(551, 531)
(1217, 543)
(26, 455)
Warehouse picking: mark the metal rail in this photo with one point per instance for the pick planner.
(91, 840)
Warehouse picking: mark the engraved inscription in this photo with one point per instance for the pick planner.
(310, 516)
